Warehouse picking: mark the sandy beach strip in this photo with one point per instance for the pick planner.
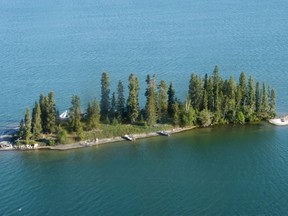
(84, 144)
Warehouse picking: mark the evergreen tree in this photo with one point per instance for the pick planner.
(36, 121)
(51, 114)
(75, 114)
(162, 101)
(205, 100)
(105, 98)
(133, 110)
(264, 106)
(150, 94)
(243, 88)
(216, 89)
(272, 104)
(196, 91)
(93, 115)
(210, 94)
(251, 96)
(27, 123)
(21, 132)
(113, 109)
(176, 113)
(120, 101)
(171, 100)
(257, 97)
(43, 102)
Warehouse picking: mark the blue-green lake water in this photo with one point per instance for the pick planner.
(65, 46)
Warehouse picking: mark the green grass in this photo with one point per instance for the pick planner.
(109, 131)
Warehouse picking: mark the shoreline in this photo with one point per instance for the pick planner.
(88, 143)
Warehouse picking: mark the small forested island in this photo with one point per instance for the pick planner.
(211, 100)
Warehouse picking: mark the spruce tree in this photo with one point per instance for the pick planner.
(75, 114)
(113, 109)
(162, 101)
(36, 121)
(205, 100)
(150, 107)
(216, 89)
(264, 106)
(210, 94)
(93, 115)
(257, 98)
(171, 100)
(43, 102)
(243, 88)
(21, 132)
(251, 96)
(51, 114)
(120, 101)
(196, 91)
(27, 122)
(105, 97)
(133, 110)
(272, 104)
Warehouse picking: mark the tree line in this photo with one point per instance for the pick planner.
(210, 100)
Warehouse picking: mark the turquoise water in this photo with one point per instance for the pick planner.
(220, 171)
(65, 46)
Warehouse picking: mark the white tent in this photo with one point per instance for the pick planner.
(64, 115)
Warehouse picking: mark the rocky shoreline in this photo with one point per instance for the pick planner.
(89, 143)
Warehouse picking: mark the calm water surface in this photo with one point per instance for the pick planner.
(219, 171)
(65, 46)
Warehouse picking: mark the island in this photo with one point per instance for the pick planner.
(211, 100)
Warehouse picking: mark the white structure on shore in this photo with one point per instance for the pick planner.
(64, 115)
(279, 121)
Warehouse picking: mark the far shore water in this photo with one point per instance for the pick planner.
(89, 143)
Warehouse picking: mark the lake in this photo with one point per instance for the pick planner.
(64, 46)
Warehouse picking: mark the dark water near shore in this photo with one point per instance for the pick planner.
(65, 46)
(219, 171)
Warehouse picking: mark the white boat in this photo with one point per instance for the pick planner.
(127, 137)
(279, 121)
(164, 133)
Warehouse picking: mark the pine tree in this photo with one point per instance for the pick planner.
(120, 101)
(75, 114)
(27, 123)
(257, 98)
(21, 132)
(272, 104)
(243, 89)
(36, 121)
(133, 110)
(113, 109)
(176, 113)
(51, 114)
(196, 91)
(264, 106)
(93, 115)
(210, 94)
(171, 100)
(43, 102)
(251, 96)
(216, 89)
(150, 94)
(162, 102)
(105, 98)
(205, 100)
